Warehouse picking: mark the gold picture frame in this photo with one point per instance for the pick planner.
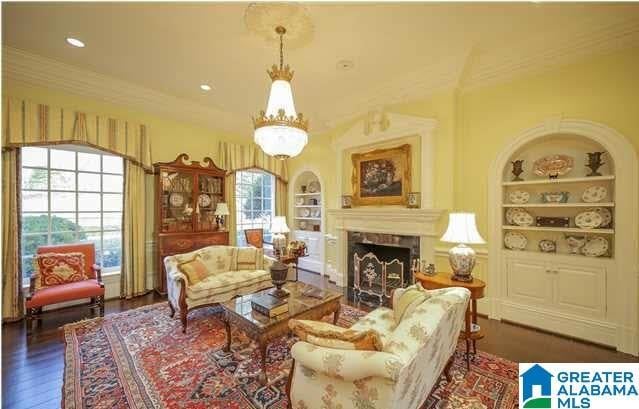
(382, 177)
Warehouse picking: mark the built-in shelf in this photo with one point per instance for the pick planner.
(308, 218)
(560, 181)
(536, 254)
(303, 206)
(579, 204)
(308, 194)
(560, 229)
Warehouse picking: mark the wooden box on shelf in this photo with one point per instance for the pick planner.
(186, 197)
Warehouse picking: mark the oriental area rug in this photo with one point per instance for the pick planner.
(141, 359)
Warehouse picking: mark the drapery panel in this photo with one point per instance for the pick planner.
(234, 157)
(12, 303)
(28, 123)
(133, 273)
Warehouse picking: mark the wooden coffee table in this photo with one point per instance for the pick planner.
(261, 328)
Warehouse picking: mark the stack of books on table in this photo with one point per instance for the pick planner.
(269, 305)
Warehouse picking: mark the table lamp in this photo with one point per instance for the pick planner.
(462, 230)
(221, 211)
(279, 228)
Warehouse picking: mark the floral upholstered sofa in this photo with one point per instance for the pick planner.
(214, 274)
(415, 352)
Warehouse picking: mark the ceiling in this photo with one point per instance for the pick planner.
(399, 51)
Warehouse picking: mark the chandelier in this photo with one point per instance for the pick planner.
(280, 131)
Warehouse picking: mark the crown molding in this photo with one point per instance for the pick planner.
(26, 68)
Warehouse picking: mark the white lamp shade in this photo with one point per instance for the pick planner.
(462, 229)
(222, 209)
(278, 225)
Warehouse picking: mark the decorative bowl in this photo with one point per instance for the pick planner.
(553, 165)
(519, 197)
(554, 197)
(547, 246)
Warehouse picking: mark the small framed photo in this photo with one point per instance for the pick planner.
(414, 200)
(347, 202)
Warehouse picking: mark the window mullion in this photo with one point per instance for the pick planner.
(49, 198)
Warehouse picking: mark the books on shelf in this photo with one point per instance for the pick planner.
(269, 305)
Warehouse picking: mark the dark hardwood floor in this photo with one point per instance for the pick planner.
(32, 369)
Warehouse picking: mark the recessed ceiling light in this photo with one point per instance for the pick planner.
(345, 65)
(75, 42)
(205, 87)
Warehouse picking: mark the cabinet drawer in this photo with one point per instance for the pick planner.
(184, 244)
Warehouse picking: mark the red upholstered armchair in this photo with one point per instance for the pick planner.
(68, 287)
(254, 237)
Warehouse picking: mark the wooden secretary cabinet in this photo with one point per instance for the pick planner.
(186, 198)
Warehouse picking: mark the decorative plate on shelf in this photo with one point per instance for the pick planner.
(303, 225)
(511, 212)
(305, 212)
(176, 199)
(547, 246)
(595, 247)
(315, 213)
(519, 197)
(523, 218)
(299, 201)
(515, 241)
(204, 200)
(594, 194)
(314, 187)
(588, 220)
(553, 165)
(605, 214)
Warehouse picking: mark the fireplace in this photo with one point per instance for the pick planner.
(379, 263)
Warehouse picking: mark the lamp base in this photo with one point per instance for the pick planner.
(462, 262)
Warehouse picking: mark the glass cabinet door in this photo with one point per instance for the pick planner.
(209, 195)
(177, 202)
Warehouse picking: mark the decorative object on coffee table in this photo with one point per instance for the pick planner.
(543, 221)
(517, 169)
(553, 166)
(472, 332)
(554, 197)
(269, 304)
(279, 271)
(264, 329)
(594, 163)
(347, 201)
(414, 200)
(279, 228)
(462, 230)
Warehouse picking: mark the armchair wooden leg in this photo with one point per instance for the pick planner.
(29, 321)
(448, 367)
(100, 300)
(183, 314)
(172, 314)
(289, 383)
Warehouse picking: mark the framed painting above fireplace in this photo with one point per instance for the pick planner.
(382, 176)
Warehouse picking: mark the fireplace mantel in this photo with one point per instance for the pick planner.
(390, 220)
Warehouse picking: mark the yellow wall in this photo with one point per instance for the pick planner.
(474, 126)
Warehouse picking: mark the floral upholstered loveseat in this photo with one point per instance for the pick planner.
(415, 352)
(214, 274)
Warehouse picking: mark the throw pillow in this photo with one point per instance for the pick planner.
(194, 270)
(58, 268)
(405, 302)
(250, 258)
(327, 335)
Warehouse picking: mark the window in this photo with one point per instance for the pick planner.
(254, 203)
(71, 194)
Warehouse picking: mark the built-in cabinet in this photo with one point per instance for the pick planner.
(590, 295)
(308, 217)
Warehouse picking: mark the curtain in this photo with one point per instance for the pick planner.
(12, 304)
(229, 188)
(133, 274)
(281, 198)
(28, 123)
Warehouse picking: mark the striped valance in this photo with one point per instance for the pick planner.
(233, 157)
(27, 123)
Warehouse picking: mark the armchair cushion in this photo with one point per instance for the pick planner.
(225, 285)
(218, 259)
(51, 269)
(346, 365)
(327, 335)
(65, 292)
(194, 270)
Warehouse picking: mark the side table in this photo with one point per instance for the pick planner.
(476, 288)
